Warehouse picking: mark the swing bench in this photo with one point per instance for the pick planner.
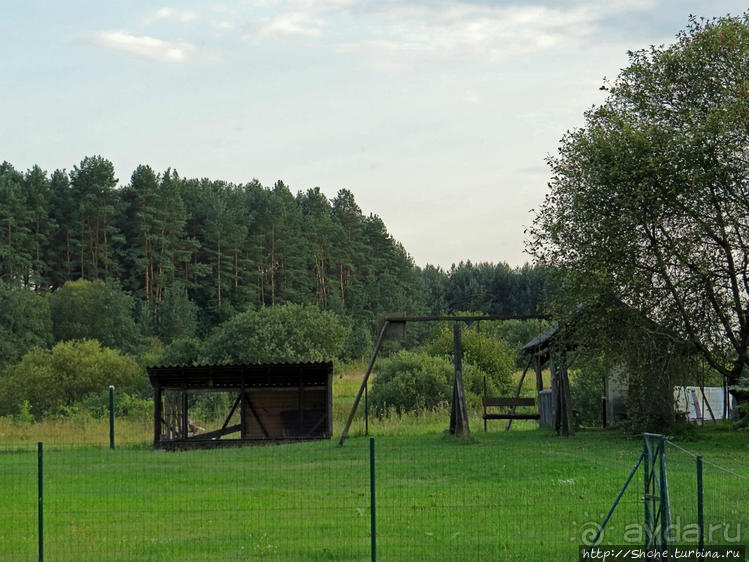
(507, 406)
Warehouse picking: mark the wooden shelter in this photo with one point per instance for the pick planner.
(272, 403)
(552, 348)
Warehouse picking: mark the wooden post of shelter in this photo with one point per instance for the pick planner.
(459, 412)
(157, 414)
(555, 400)
(564, 419)
(242, 409)
(184, 419)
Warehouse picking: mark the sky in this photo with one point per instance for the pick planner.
(438, 116)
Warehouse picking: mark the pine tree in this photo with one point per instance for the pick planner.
(16, 234)
(93, 186)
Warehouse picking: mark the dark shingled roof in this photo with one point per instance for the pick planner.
(227, 377)
(541, 340)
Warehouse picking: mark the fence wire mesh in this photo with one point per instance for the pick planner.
(523, 495)
(293, 502)
(725, 503)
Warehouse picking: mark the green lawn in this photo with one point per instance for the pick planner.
(523, 495)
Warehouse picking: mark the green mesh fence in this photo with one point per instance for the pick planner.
(522, 495)
(293, 502)
(725, 505)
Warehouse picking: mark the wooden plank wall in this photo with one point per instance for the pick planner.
(277, 414)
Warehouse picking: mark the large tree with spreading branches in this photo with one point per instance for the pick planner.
(649, 201)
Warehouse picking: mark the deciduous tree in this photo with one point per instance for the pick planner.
(649, 202)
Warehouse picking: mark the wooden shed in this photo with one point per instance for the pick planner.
(267, 403)
(552, 348)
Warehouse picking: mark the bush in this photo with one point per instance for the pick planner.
(416, 381)
(492, 356)
(409, 382)
(65, 376)
(285, 333)
(359, 341)
(184, 351)
(94, 310)
(96, 405)
(25, 323)
(586, 389)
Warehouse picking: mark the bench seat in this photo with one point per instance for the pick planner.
(511, 416)
(511, 403)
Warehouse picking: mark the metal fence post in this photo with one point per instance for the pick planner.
(111, 416)
(657, 504)
(372, 510)
(40, 499)
(665, 501)
(647, 499)
(700, 504)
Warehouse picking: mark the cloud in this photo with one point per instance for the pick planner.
(479, 29)
(224, 25)
(286, 24)
(157, 49)
(470, 97)
(484, 30)
(440, 27)
(173, 14)
(418, 28)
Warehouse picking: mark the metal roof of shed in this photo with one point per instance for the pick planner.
(231, 377)
(541, 340)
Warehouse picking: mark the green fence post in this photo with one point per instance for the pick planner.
(366, 410)
(657, 504)
(649, 523)
(40, 499)
(373, 519)
(111, 416)
(700, 504)
(665, 502)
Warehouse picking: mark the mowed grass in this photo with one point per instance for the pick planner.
(522, 495)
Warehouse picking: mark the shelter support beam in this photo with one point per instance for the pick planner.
(459, 411)
(363, 383)
(157, 415)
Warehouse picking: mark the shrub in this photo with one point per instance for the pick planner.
(287, 332)
(359, 341)
(94, 310)
(24, 415)
(409, 381)
(64, 376)
(25, 323)
(183, 351)
(492, 356)
(586, 389)
(416, 381)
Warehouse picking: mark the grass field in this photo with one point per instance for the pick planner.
(522, 495)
